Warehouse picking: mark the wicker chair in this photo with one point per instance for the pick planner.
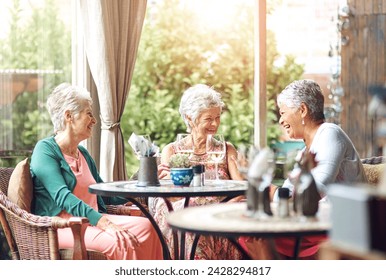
(35, 237)
(374, 168)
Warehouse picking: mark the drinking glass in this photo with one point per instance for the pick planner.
(245, 155)
(263, 209)
(184, 144)
(215, 149)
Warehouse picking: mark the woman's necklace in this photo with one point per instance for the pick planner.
(74, 154)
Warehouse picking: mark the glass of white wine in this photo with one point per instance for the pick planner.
(215, 149)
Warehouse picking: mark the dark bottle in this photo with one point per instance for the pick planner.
(306, 194)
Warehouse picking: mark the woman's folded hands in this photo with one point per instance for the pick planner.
(124, 237)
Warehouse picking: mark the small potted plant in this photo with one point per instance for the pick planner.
(181, 171)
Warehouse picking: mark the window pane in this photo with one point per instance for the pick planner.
(35, 56)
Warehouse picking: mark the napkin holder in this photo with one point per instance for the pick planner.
(148, 172)
(358, 217)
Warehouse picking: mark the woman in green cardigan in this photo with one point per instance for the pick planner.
(62, 170)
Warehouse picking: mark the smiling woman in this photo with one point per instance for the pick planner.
(200, 108)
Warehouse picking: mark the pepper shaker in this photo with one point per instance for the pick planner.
(198, 175)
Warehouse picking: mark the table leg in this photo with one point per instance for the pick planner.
(226, 199)
(272, 248)
(165, 248)
(298, 240)
(194, 246)
(240, 248)
(174, 233)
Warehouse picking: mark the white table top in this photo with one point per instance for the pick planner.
(230, 219)
(167, 189)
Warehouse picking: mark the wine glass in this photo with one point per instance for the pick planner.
(184, 144)
(245, 156)
(215, 149)
(264, 208)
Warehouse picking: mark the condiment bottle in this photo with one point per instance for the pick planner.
(198, 175)
(283, 206)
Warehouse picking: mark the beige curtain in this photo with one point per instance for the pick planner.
(112, 31)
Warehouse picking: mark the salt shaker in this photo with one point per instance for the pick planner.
(283, 207)
(198, 175)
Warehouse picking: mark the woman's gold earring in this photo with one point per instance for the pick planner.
(302, 121)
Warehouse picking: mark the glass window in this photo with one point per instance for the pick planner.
(35, 56)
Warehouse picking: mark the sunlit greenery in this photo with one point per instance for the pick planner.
(40, 44)
(177, 51)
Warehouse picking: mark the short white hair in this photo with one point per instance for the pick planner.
(66, 97)
(196, 99)
(304, 91)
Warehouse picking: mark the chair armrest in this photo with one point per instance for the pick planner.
(126, 209)
(78, 227)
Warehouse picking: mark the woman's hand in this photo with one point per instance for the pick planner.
(135, 210)
(163, 171)
(123, 236)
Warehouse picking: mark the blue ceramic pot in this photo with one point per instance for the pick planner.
(181, 176)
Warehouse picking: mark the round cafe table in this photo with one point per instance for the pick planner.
(130, 190)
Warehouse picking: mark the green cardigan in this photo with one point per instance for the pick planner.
(54, 183)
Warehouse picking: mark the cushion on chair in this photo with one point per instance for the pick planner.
(20, 188)
(374, 172)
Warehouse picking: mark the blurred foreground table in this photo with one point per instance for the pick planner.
(230, 220)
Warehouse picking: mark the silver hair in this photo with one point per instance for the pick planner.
(196, 99)
(66, 97)
(304, 91)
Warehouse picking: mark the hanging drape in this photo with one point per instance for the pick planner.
(112, 31)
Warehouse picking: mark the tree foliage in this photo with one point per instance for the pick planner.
(41, 42)
(177, 51)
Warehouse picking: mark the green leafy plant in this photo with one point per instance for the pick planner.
(175, 53)
(179, 161)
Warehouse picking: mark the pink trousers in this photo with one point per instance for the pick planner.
(95, 239)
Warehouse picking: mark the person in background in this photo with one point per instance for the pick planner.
(62, 170)
(301, 107)
(200, 108)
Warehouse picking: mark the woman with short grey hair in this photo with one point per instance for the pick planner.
(62, 170)
(301, 106)
(200, 108)
(195, 100)
(307, 92)
(66, 97)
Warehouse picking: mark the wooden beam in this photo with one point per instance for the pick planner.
(260, 81)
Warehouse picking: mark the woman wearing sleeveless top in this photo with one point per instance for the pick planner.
(200, 108)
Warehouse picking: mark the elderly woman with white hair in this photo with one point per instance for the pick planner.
(62, 170)
(200, 108)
